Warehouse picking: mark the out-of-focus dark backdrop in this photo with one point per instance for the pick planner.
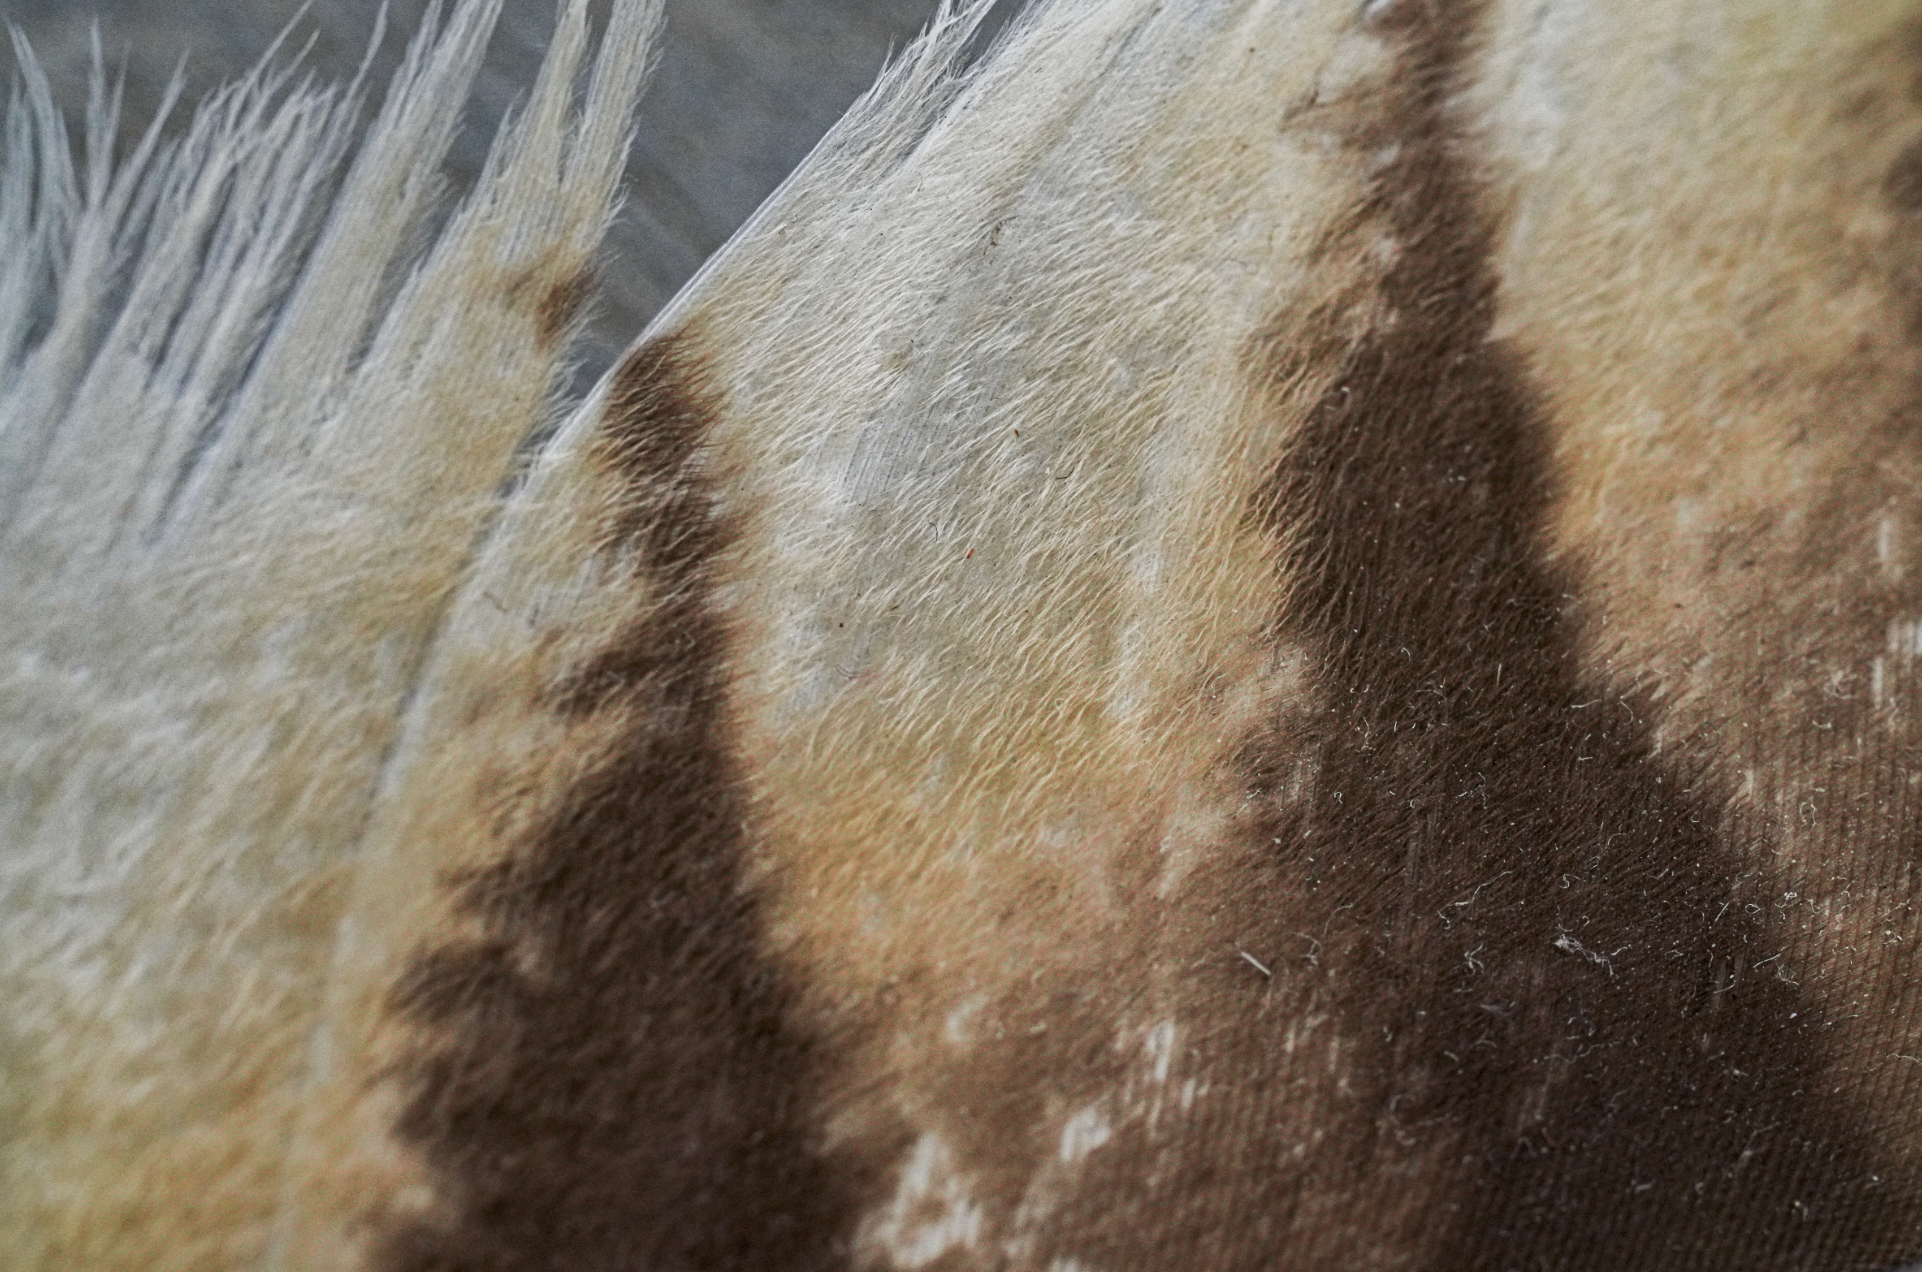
(742, 90)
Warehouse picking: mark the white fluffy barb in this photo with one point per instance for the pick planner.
(258, 408)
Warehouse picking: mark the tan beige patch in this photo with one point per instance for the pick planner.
(1007, 622)
(1714, 273)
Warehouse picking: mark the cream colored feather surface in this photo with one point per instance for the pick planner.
(1244, 635)
(248, 456)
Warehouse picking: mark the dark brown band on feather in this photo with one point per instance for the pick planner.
(561, 305)
(1562, 977)
(616, 1085)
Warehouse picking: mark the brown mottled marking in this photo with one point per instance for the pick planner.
(561, 304)
(1538, 940)
(615, 1084)
(1904, 182)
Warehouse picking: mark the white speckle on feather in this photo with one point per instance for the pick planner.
(931, 1211)
(1084, 1132)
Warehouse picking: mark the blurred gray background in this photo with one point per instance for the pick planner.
(743, 88)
